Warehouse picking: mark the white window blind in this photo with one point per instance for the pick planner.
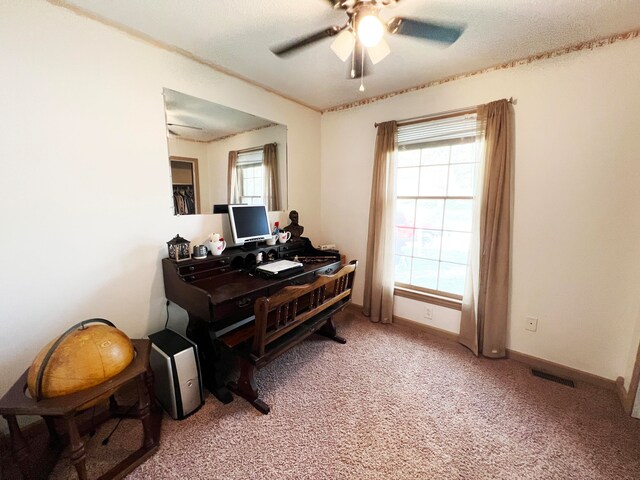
(418, 135)
(246, 158)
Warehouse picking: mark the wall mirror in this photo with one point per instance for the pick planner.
(221, 155)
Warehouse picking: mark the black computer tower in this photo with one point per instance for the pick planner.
(176, 369)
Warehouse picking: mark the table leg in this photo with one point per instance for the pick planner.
(155, 404)
(19, 446)
(54, 438)
(144, 411)
(78, 456)
(113, 404)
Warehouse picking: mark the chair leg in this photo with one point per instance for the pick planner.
(246, 387)
(329, 330)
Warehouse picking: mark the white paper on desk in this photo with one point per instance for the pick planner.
(278, 266)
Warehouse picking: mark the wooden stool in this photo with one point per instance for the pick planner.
(16, 402)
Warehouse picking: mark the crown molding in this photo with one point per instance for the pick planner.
(588, 45)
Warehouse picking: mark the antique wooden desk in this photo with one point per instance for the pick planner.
(219, 292)
(15, 402)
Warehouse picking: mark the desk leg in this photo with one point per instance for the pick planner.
(78, 456)
(19, 446)
(209, 353)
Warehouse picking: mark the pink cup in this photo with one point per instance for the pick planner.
(217, 247)
(283, 237)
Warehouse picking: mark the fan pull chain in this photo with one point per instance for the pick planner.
(362, 70)
(353, 63)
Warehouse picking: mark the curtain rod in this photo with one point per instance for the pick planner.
(441, 115)
(255, 149)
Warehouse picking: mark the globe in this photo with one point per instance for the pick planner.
(85, 358)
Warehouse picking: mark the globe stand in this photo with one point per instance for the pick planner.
(15, 402)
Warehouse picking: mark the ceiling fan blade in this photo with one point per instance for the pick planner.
(289, 47)
(343, 44)
(184, 126)
(437, 32)
(335, 4)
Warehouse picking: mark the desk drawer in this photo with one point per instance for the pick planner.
(238, 308)
(206, 274)
(299, 280)
(291, 249)
(205, 264)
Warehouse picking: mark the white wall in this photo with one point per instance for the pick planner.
(85, 203)
(577, 171)
(85, 188)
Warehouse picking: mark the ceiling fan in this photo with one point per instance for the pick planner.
(173, 132)
(365, 29)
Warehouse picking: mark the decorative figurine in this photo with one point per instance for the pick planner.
(295, 229)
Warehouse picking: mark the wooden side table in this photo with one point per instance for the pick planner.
(16, 402)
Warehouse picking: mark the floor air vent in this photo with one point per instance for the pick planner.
(554, 378)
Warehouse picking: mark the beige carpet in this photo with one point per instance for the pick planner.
(393, 403)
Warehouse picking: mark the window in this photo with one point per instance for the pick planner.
(252, 176)
(250, 172)
(435, 177)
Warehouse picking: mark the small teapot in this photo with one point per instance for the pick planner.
(218, 246)
(199, 251)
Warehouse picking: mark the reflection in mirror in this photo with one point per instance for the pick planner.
(221, 155)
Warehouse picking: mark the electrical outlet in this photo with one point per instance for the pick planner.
(531, 324)
(428, 312)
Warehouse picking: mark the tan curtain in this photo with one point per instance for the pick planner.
(378, 282)
(483, 327)
(233, 193)
(270, 164)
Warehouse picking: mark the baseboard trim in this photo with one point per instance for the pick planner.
(529, 360)
(429, 329)
(561, 370)
(353, 308)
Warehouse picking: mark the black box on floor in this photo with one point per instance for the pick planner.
(176, 369)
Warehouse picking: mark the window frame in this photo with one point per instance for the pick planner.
(416, 292)
(251, 159)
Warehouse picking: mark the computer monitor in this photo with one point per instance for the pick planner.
(249, 224)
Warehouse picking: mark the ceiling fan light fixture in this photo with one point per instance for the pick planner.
(370, 30)
(343, 45)
(379, 52)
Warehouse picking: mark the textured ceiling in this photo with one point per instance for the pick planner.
(237, 34)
